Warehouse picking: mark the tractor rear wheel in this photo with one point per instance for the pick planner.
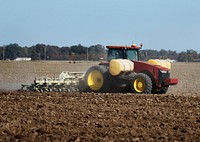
(98, 79)
(141, 83)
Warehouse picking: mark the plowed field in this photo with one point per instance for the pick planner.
(32, 116)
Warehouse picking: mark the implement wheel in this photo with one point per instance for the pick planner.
(98, 79)
(141, 83)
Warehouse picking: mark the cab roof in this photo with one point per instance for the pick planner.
(134, 46)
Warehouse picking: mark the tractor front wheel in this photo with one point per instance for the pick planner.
(141, 83)
(161, 91)
(98, 79)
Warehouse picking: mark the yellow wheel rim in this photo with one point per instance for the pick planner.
(139, 85)
(95, 80)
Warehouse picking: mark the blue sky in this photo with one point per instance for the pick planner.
(158, 24)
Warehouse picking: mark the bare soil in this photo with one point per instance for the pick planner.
(33, 116)
(15, 73)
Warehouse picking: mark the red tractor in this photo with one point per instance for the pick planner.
(123, 70)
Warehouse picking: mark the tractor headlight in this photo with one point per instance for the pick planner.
(162, 71)
(163, 75)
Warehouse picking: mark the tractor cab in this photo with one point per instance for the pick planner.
(123, 52)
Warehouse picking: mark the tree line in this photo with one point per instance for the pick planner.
(184, 56)
(51, 52)
(80, 52)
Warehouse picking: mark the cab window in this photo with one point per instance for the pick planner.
(132, 54)
(115, 54)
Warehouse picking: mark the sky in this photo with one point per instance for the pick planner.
(158, 24)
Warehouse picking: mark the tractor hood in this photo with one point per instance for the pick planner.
(161, 63)
(151, 66)
(159, 70)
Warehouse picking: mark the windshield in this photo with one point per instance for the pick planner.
(132, 54)
(122, 54)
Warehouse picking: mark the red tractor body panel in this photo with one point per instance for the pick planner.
(140, 67)
(124, 47)
(170, 81)
(154, 71)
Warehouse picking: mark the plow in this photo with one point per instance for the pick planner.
(123, 70)
(65, 82)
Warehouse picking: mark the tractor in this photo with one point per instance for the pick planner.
(123, 71)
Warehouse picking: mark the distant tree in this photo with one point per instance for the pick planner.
(1, 52)
(182, 57)
(52, 52)
(97, 49)
(191, 55)
(34, 54)
(64, 52)
(12, 51)
(152, 54)
(78, 49)
(163, 54)
(172, 55)
(96, 52)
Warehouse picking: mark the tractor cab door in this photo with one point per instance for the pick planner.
(115, 54)
(132, 55)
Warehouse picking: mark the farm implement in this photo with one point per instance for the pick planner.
(123, 70)
(66, 82)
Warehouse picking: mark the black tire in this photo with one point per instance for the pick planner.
(97, 79)
(141, 84)
(120, 85)
(161, 91)
(83, 87)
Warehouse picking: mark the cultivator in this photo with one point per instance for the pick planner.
(66, 82)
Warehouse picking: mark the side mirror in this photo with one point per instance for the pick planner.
(145, 53)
